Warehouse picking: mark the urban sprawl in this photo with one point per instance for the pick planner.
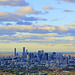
(36, 61)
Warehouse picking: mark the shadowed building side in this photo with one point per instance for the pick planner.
(15, 52)
(23, 52)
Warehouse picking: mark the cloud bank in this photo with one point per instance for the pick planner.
(13, 3)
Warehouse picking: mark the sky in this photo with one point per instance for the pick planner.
(47, 25)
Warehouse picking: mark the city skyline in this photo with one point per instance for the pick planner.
(37, 25)
(37, 62)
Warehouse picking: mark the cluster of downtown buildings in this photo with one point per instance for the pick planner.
(37, 59)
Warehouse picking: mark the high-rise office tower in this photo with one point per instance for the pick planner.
(23, 51)
(42, 51)
(53, 56)
(27, 51)
(39, 53)
(46, 56)
(31, 55)
(14, 51)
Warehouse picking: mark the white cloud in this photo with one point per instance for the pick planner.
(71, 25)
(70, 1)
(40, 29)
(48, 7)
(28, 10)
(13, 2)
(7, 16)
(67, 10)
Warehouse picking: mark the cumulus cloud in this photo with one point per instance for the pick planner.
(70, 1)
(23, 23)
(8, 24)
(20, 15)
(28, 10)
(7, 16)
(40, 29)
(48, 7)
(36, 33)
(20, 37)
(13, 2)
(55, 19)
(62, 28)
(72, 39)
(33, 18)
(37, 38)
(71, 25)
(28, 20)
(67, 10)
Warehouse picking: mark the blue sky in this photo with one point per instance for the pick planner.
(49, 25)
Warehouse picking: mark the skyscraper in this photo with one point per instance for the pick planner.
(31, 55)
(23, 52)
(14, 51)
(26, 51)
(46, 56)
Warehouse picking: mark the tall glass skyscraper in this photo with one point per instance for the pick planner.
(23, 51)
(14, 51)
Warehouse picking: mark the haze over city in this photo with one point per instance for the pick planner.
(37, 25)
